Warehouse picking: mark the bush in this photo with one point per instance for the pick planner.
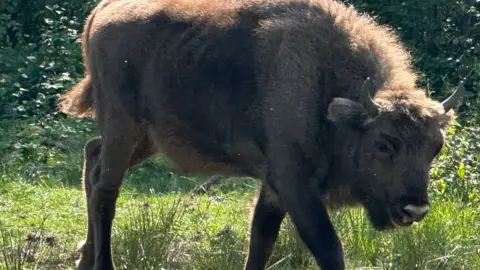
(39, 54)
(456, 172)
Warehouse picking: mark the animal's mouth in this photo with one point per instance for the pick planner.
(406, 215)
(396, 216)
(400, 221)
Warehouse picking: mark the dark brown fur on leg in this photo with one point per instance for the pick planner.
(114, 163)
(91, 170)
(267, 218)
(90, 174)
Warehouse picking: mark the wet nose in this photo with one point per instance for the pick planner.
(416, 212)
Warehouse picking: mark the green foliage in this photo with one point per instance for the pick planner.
(41, 151)
(39, 54)
(456, 171)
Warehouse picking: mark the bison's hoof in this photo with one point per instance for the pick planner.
(86, 261)
(84, 265)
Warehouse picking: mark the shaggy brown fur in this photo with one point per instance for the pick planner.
(261, 88)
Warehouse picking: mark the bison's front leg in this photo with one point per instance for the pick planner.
(267, 218)
(292, 177)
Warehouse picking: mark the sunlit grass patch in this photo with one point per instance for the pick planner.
(183, 231)
(447, 239)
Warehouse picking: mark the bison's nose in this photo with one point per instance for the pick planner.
(416, 212)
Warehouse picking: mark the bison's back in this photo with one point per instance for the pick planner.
(190, 77)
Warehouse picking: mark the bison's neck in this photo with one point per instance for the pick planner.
(339, 197)
(340, 186)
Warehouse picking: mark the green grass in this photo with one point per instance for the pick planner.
(180, 231)
(160, 225)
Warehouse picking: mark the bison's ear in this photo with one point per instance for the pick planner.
(347, 111)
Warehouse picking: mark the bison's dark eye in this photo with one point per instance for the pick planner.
(387, 145)
(384, 147)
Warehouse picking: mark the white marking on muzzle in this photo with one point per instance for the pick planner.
(417, 209)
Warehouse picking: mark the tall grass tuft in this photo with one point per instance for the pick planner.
(19, 252)
(147, 237)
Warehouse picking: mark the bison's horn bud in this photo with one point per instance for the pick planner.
(452, 100)
(367, 101)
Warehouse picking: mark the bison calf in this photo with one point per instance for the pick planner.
(310, 97)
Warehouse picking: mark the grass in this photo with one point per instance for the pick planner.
(181, 231)
(160, 225)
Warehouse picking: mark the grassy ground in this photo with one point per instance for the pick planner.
(161, 225)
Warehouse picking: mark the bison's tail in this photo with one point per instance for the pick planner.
(79, 102)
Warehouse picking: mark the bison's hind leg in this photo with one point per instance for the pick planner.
(118, 141)
(90, 173)
(91, 170)
(264, 229)
(124, 143)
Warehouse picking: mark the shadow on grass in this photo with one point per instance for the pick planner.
(35, 250)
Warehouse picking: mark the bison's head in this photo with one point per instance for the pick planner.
(392, 142)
